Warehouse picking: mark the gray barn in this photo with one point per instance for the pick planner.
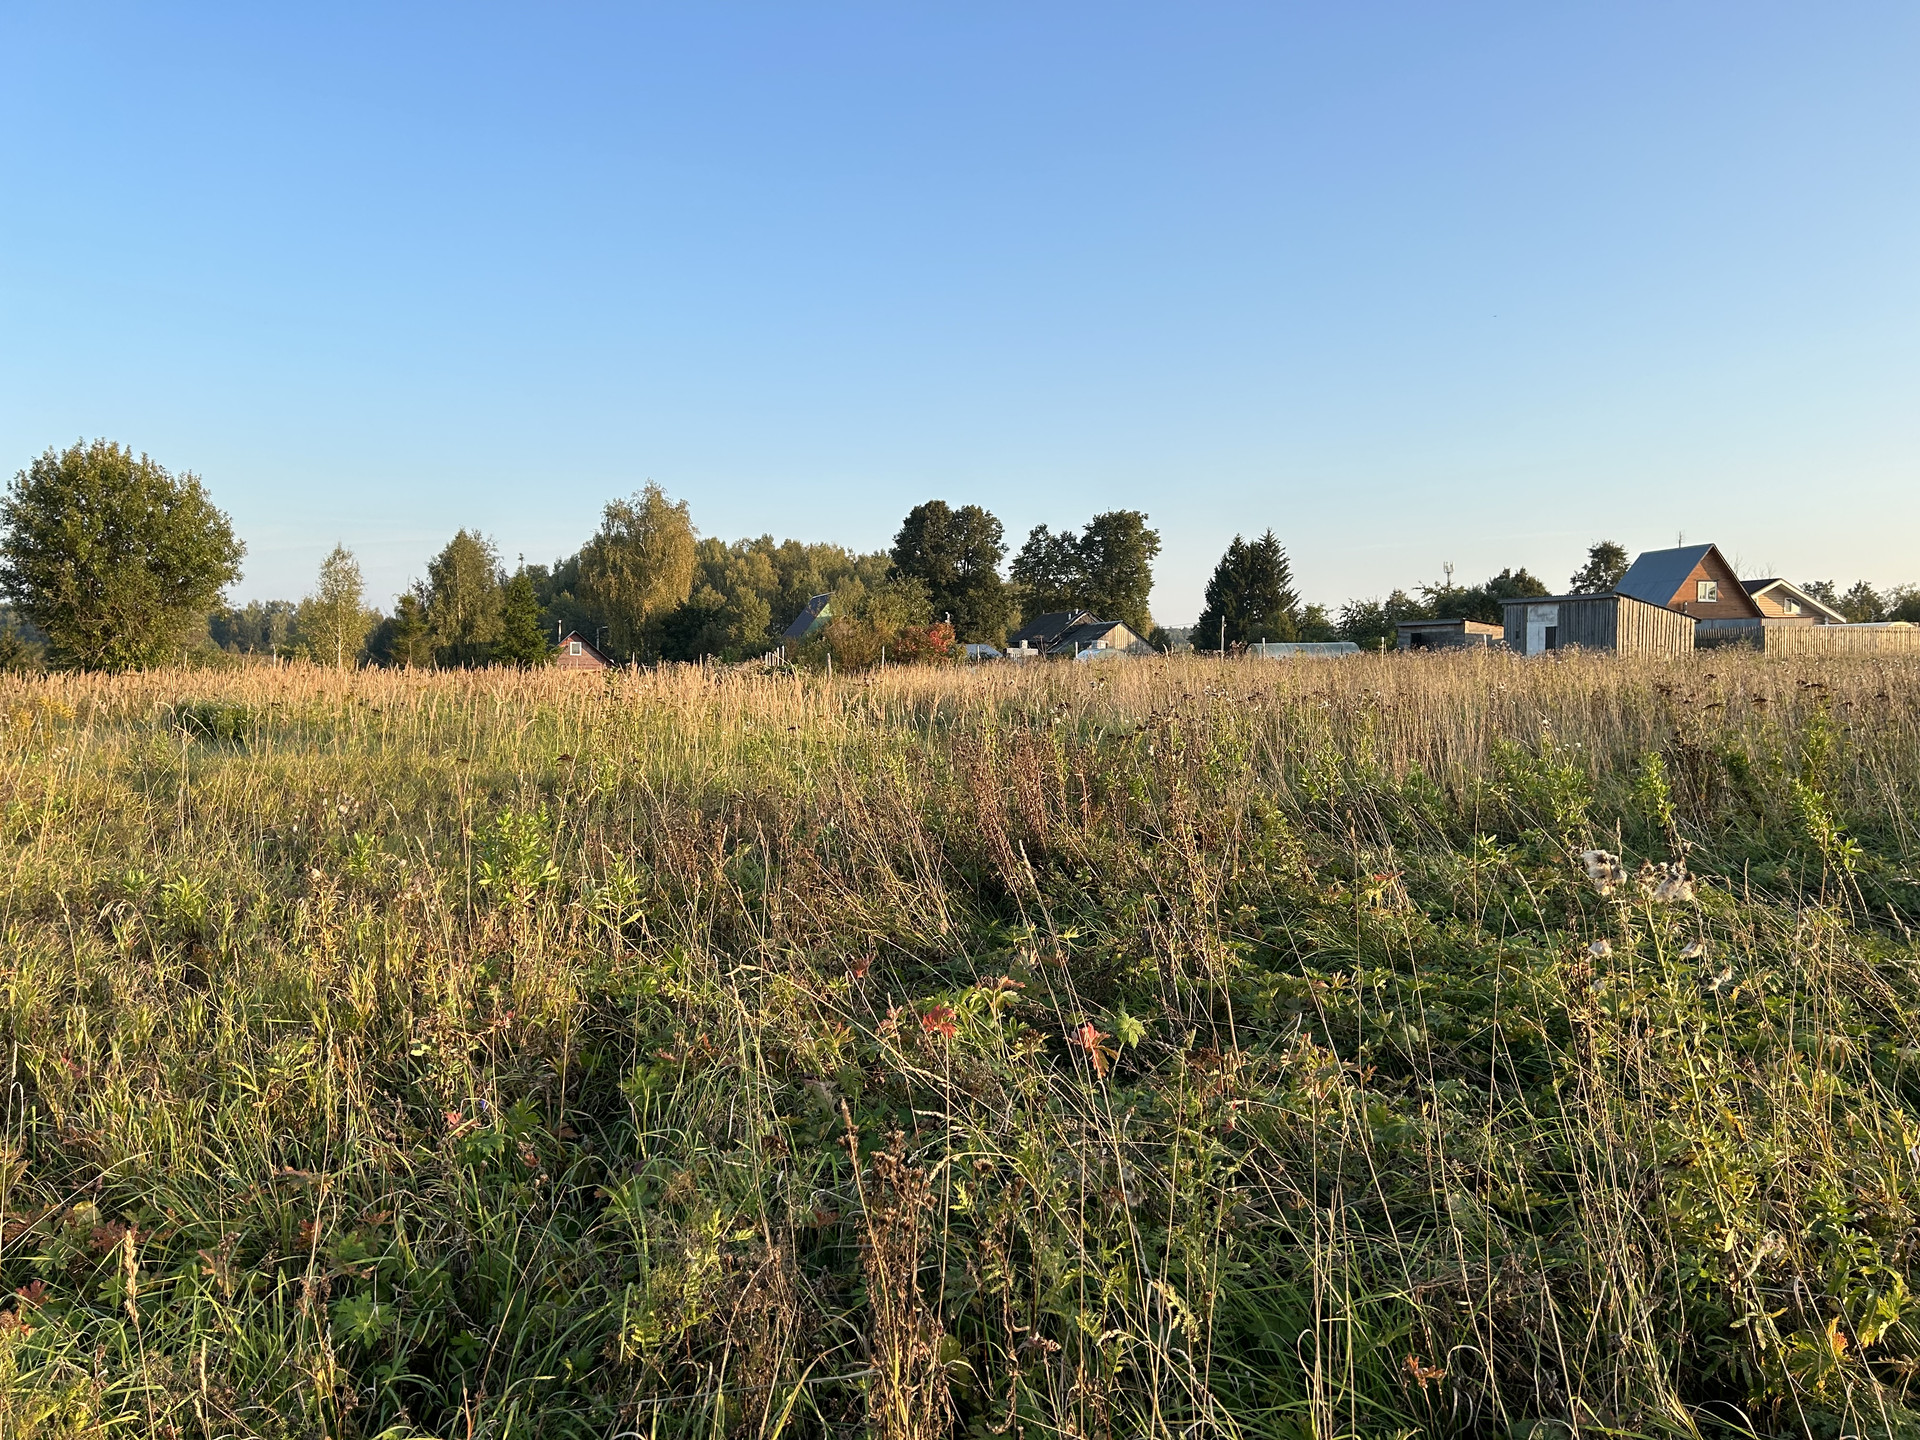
(1447, 634)
(1595, 622)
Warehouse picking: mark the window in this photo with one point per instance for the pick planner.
(1792, 607)
(573, 647)
(1706, 590)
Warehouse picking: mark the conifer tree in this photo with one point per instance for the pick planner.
(523, 636)
(406, 639)
(1250, 597)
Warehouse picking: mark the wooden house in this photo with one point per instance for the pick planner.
(1781, 600)
(1448, 634)
(1073, 633)
(1695, 580)
(1616, 622)
(578, 653)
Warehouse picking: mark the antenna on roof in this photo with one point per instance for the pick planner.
(1679, 539)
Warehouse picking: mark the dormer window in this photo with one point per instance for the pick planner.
(1706, 591)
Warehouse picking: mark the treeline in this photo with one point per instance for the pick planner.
(647, 587)
(1251, 598)
(109, 561)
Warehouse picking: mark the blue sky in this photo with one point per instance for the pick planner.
(1408, 283)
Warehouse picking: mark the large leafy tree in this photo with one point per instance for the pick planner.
(1116, 555)
(1607, 562)
(638, 568)
(1374, 624)
(1862, 605)
(113, 557)
(1106, 568)
(463, 600)
(334, 620)
(1049, 572)
(1250, 596)
(956, 554)
(1481, 602)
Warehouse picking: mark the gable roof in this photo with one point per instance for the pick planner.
(1757, 588)
(587, 647)
(818, 611)
(1088, 632)
(1657, 575)
(1043, 632)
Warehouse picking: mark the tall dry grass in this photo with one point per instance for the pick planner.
(1154, 1048)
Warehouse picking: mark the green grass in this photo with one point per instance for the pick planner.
(1179, 1049)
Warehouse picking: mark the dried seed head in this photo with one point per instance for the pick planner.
(1604, 870)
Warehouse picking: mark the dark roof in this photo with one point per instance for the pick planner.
(1657, 575)
(1088, 633)
(817, 613)
(1043, 632)
(1757, 587)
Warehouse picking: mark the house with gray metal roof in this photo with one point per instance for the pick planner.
(1696, 580)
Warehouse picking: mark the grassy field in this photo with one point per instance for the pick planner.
(1164, 1048)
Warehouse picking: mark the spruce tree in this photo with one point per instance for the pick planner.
(406, 639)
(1269, 607)
(1250, 597)
(1220, 621)
(523, 635)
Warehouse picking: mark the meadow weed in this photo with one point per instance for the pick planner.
(1431, 1045)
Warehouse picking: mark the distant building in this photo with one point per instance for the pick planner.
(1780, 600)
(983, 652)
(1042, 631)
(818, 611)
(579, 654)
(1696, 580)
(1073, 633)
(1448, 634)
(1622, 623)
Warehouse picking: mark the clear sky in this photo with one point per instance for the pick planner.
(1409, 283)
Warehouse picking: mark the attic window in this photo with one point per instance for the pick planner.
(573, 647)
(1706, 591)
(1792, 607)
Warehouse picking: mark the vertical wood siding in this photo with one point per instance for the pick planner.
(1609, 622)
